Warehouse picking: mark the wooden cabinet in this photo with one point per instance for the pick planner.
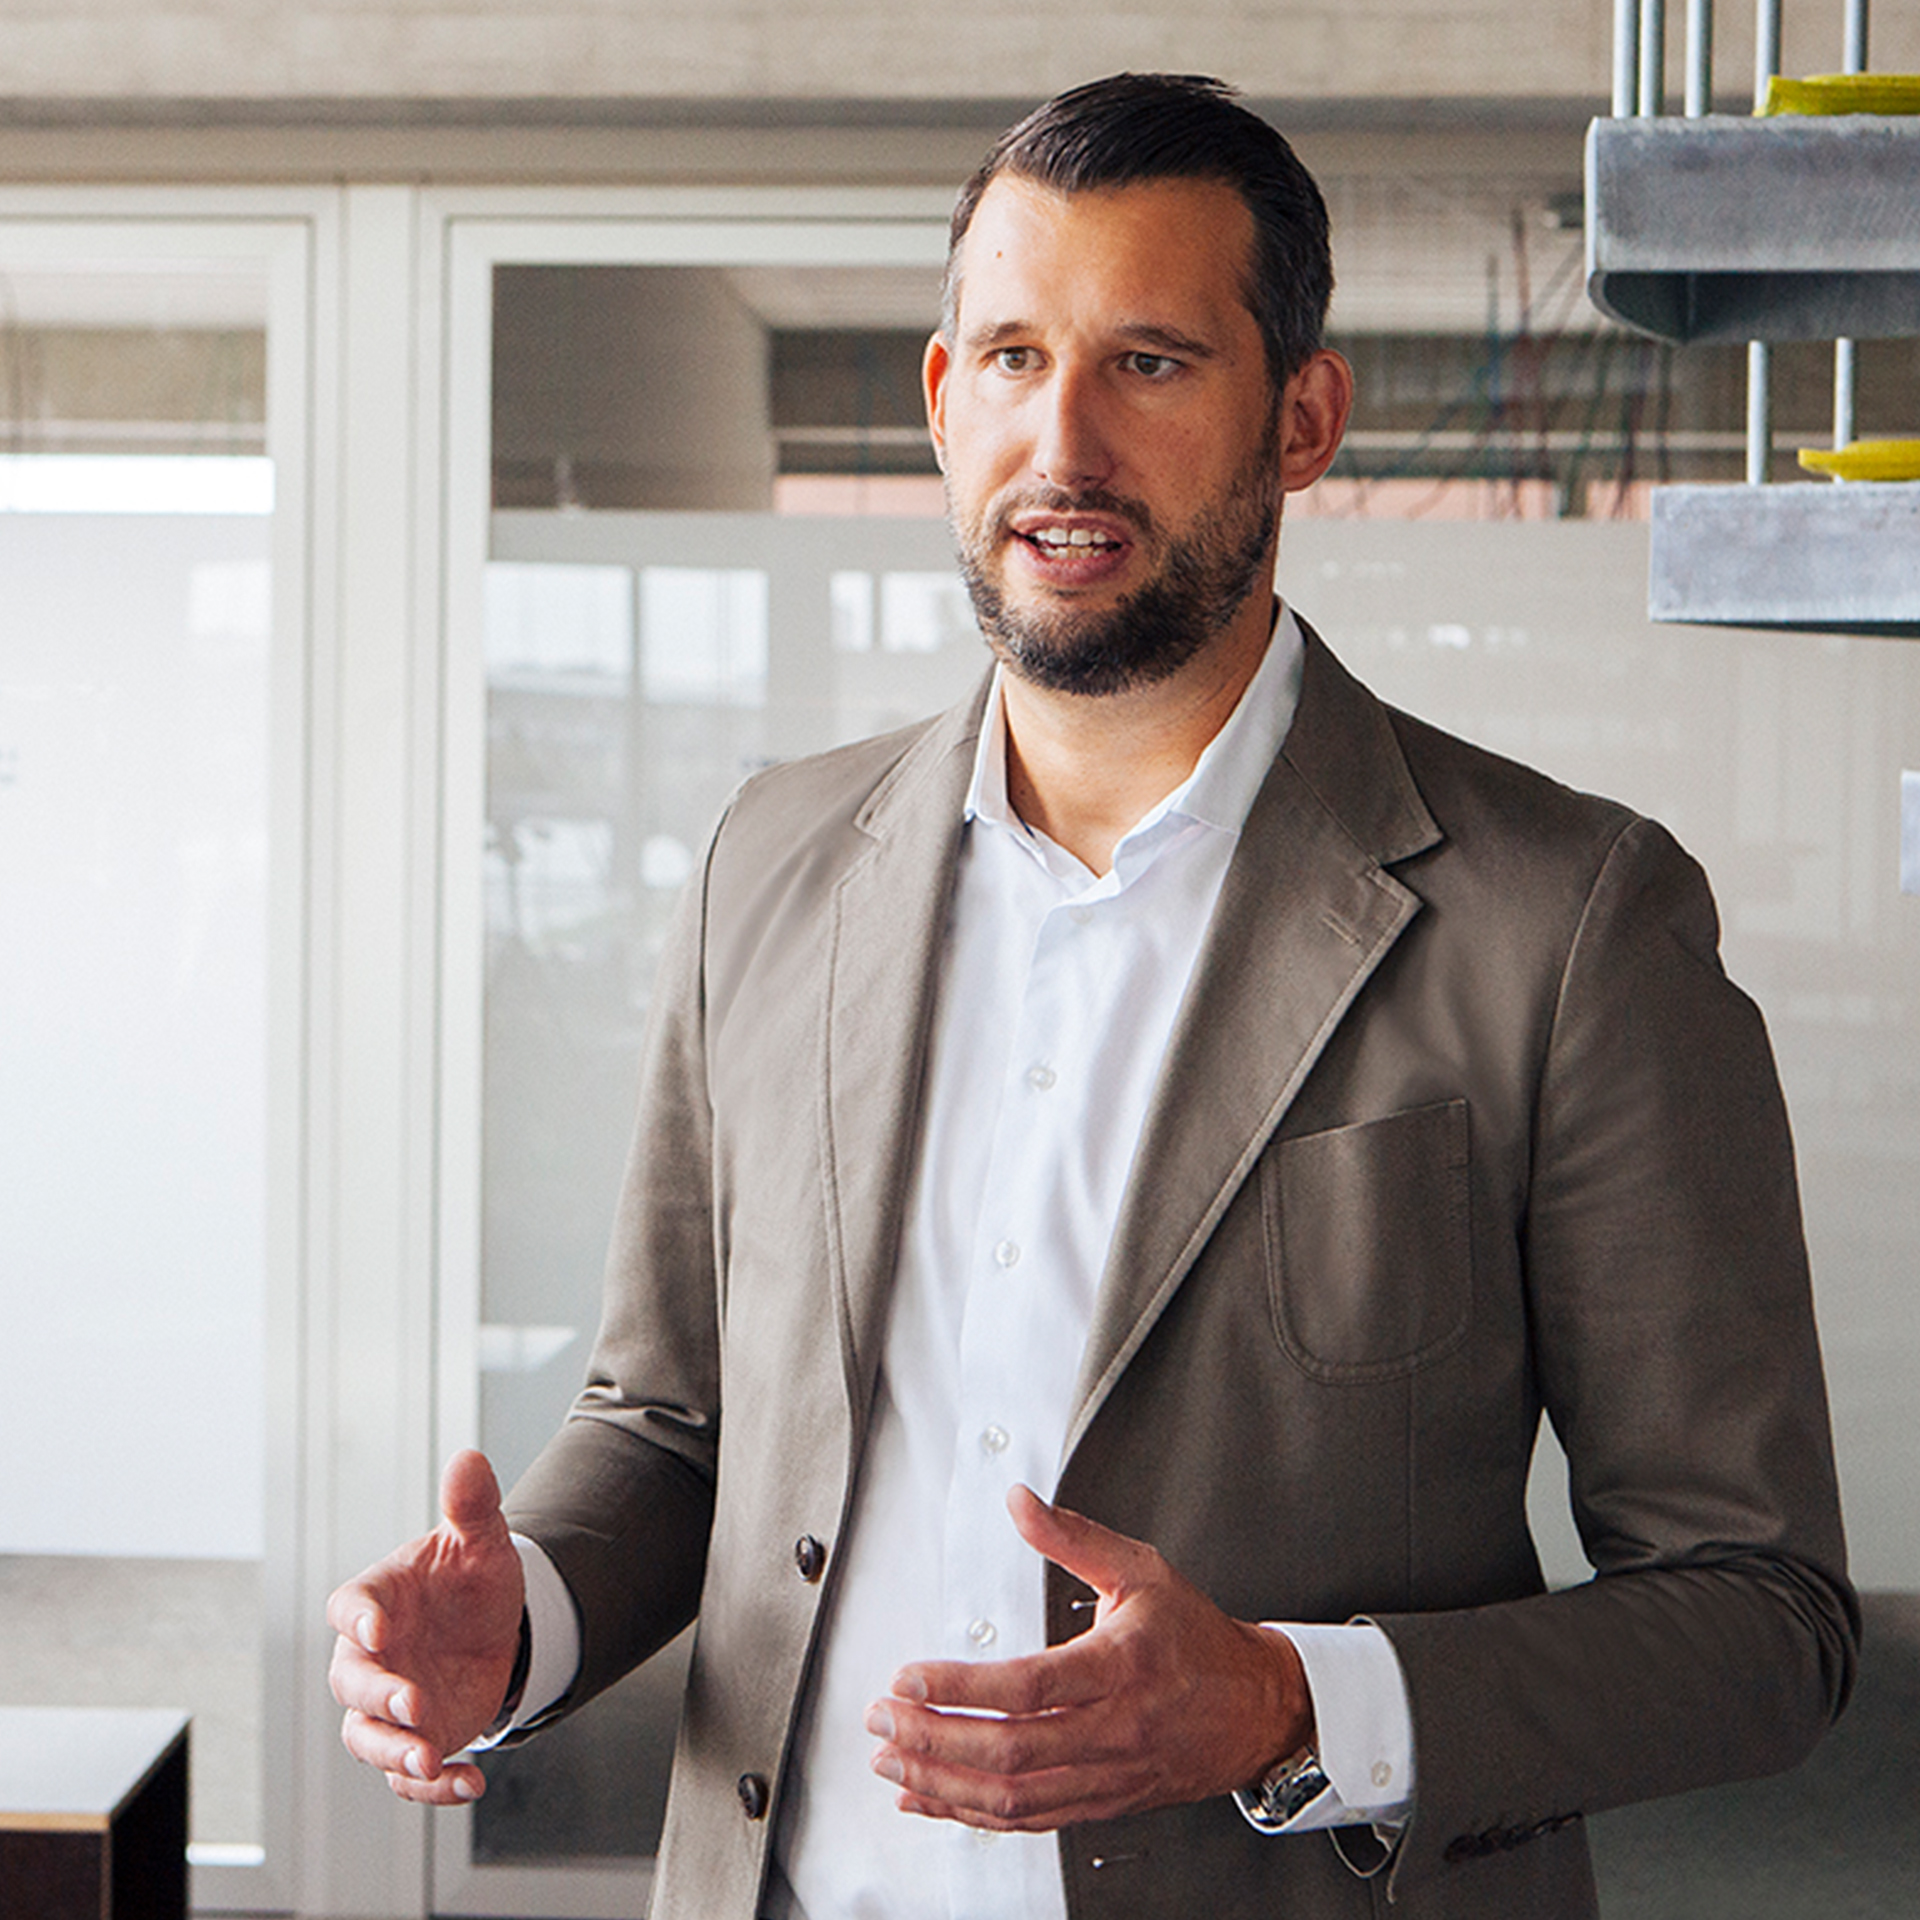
(93, 1813)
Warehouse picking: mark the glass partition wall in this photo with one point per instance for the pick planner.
(645, 603)
(151, 405)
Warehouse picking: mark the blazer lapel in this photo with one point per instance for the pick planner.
(888, 922)
(1305, 914)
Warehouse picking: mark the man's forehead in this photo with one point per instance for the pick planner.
(1190, 239)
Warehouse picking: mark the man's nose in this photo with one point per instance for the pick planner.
(1072, 446)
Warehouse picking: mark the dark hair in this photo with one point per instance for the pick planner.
(1134, 127)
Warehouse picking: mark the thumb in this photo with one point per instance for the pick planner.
(470, 1496)
(1110, 1563)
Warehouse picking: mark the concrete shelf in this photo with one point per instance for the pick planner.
(1813, 557)
(1730, 228)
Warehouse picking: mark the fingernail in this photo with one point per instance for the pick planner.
(464, 1789)
(363, 1632)
(909, 1686)
(888, 1767)
(397, 1711)
(880, 1723)
(415, 1765)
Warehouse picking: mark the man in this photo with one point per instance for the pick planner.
(1177, 1085)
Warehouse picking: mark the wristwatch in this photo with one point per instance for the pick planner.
(1284, 1791)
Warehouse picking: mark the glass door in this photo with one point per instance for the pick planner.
(695, 527)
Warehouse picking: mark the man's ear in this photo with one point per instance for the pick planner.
(935, 364)
(1314, 406)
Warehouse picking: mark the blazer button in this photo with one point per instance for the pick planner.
(754, 1795)
(810, 1557)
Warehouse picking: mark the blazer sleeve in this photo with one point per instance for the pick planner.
(1674, 1343)
(621, 1498)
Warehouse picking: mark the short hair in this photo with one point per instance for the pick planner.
(1136, 127)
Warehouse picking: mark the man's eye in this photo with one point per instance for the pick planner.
(1153, 366)
(1013, 359)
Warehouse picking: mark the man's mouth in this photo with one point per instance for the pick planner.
(1073, 547)
(1061, 539)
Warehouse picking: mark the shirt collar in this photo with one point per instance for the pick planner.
(1220, 790)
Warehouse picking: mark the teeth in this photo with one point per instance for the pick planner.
(1073, 537)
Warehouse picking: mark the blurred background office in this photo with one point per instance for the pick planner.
(445, 444)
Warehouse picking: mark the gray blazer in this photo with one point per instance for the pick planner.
(1460, 1121)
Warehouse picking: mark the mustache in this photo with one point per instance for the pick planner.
(1119, 506)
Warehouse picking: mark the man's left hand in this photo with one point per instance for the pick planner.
(1163, 1700)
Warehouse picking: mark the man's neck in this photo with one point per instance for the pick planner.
(1085, 769)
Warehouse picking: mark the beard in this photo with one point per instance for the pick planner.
(1204, 578)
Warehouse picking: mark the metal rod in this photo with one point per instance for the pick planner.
(1653, 57)
(1766, 49)
(1845, 360)
(1699, 58)
(1759, 414)
(1766, 63)
(1843, 374)
(1626, 57)
(1856, 55)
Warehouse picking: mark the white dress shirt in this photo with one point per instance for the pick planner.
(1057, 996)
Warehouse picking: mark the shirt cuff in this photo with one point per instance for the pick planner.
(1363, 1727)
(553, 1629)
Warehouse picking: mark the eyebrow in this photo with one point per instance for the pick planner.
(1145, 334)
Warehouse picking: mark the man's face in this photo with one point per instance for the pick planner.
(1108, 429)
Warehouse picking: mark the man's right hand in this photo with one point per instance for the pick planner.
(427, 1642)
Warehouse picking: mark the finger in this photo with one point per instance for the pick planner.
(354, 1614)
(364, 1684)
(470, 1495)
(457, 1786)
(1052, 1822)
(932, 1809)
(1110, 1563)
(1034, 1803)
(1072, 1674)
(391, 1749)
(1002, 1747)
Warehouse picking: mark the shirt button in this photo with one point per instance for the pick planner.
(983, 1633)
(1382, 1773)
(1081, 916)
(1007, 1253)
(809, 1558)
(994, 1440)
(1040, 1078)
(755, 1796)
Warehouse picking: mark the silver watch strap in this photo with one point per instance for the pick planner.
(1283, 1791)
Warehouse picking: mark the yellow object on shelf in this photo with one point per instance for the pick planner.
(1865, 460)
(1843, 93)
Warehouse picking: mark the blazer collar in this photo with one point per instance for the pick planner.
(1306, 913)
(888, 924)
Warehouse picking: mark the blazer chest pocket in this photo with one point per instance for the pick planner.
(1369, 1253)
